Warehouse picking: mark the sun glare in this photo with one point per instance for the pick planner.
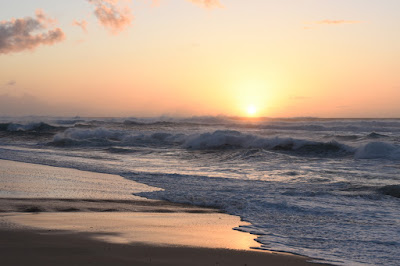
(251, 110)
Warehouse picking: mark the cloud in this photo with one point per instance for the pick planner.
(116, 15)
(337, 22)
(27, 33)
(44, 20)
(112, 14)
(207, 3)
(82, 24)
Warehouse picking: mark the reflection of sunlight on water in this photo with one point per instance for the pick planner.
(188, 229)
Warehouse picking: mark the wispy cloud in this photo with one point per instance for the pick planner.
(82, 24)
(112, 14)
(207, 3)
(337, 22)
(28, 33)
(45, 20)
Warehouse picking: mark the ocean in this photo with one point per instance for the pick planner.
(324, 188)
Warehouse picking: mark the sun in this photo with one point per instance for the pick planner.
(251, 110)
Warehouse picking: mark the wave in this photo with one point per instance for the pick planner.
(375, 135)
(323, 127)
(391, 190)
(220, 140)
(86, 137)
(217, 140)
(68, 122)
(354, 137)
(341, 127)
(107, 137)
(223, 139)
(165, 120)
(378, 150)
(29, 127)
(313, 125)
(346, 137)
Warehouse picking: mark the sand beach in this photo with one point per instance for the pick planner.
(117, 230)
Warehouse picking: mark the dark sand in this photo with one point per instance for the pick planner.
(41, 248)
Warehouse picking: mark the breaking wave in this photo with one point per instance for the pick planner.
(217, 140)
(223, 139)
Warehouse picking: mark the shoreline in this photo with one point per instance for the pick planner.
(88, 225)
(29, 247)
(133, 238)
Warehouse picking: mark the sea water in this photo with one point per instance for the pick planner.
(324, 188)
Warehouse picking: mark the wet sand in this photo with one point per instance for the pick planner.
(122, 230)
(131, 239)
(42, 248)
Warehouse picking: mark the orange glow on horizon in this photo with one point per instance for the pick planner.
(164, 64)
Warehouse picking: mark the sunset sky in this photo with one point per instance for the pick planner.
(277, 58)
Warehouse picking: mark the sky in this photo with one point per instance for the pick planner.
(273, 58)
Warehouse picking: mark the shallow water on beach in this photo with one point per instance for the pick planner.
(324, 188)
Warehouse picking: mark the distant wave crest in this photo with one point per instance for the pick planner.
(28, 127)
(106, 137)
